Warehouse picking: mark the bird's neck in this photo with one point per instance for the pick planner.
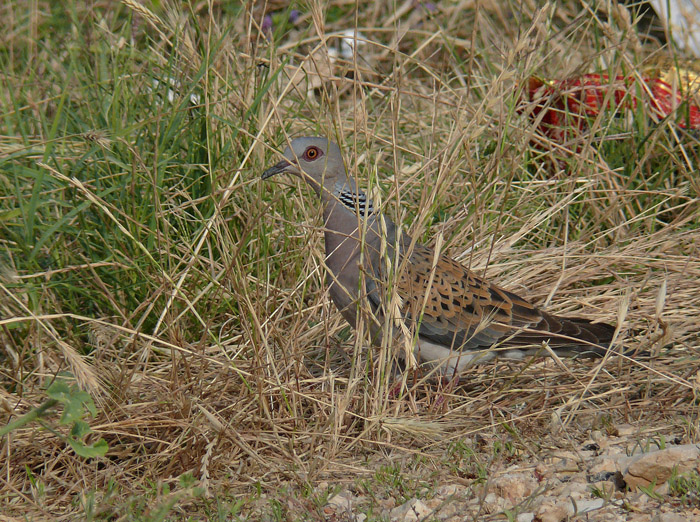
(344, 208)
(351, 221)
(352, 199)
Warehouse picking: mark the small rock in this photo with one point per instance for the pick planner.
(575, 490)
(494, 504)
(565, 462)
(412, 510)
(434, 503)
(542, 472)
(551, 512)
(564, 455)
(625, 430)
(566, 466)
(387, 504)
(590, 445)
(604, 466)
(525, 517)
(475, 501)
(598, 435)
(606, 487)
(669, 517)
(658, 466)
(451, 510)
(597, 476)
(586, 506)
(342, 501)
(558, 510)
(447, 491)
(514, 487)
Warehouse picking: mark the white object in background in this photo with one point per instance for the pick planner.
(347, 44)
(172, 93)
(683, 17)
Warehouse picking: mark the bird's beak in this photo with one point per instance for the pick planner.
(282, 166)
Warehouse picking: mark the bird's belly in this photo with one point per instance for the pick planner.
(454, 361)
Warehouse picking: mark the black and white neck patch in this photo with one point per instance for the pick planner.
(357, 202)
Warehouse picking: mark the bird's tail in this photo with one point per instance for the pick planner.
(568, 336)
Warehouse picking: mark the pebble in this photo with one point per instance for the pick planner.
(562, 487)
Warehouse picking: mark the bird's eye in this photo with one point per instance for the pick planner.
(312, 153)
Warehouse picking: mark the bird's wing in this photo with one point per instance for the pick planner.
(453, 307)
(456, 308)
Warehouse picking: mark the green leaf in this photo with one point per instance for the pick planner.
(187, 480)
(99, 449)
(80, 429)
(72, 411)
(10, 214)
(85, 401)
(59, 391)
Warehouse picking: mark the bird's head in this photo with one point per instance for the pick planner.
(317, 161)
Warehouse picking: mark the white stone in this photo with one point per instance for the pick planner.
(411, 511)
(341, 501)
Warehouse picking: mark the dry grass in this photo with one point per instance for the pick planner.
(202, 327)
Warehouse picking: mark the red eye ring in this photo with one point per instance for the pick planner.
(312, 153)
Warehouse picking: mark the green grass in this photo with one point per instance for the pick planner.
(686, 488)
(141, 254)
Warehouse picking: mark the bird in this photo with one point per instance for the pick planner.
(453, 316)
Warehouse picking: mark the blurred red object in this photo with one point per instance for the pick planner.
(563, 107)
